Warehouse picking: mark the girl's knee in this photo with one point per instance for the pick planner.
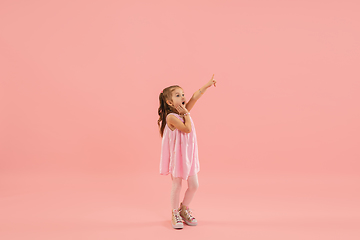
(176, 183)
(193, 186)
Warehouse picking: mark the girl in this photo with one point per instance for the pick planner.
(179, 150)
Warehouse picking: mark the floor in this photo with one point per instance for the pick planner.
(246, 206)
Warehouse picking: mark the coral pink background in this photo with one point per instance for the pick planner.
(278, 136)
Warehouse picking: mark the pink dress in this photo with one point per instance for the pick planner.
(179, 152)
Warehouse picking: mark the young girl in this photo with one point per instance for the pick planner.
(179, 150)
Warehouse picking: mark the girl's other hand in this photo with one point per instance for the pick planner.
(181, 109)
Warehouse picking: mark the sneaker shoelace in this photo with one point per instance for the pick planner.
(188, 213)
(177, 217)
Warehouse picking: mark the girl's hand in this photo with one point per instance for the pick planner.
(181, 109)
(211, 82)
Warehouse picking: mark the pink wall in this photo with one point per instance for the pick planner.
(79, 84)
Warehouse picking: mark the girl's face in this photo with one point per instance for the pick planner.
(178, 98)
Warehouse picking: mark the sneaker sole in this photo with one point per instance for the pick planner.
(177, 226)
(189, 223)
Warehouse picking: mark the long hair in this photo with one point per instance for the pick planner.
(164, 108)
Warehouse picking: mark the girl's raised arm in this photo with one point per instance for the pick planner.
(190, 104)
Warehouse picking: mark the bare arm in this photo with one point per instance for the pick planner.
(190, 104)
(177, 123)
(199, 93)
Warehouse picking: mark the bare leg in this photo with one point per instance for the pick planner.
(175, 192)
(193, 185)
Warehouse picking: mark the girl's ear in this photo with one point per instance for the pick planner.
(168, 102)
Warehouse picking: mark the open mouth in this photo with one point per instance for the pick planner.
(183, 103)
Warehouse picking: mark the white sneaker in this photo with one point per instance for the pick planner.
(176, 221)
(185, 213)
